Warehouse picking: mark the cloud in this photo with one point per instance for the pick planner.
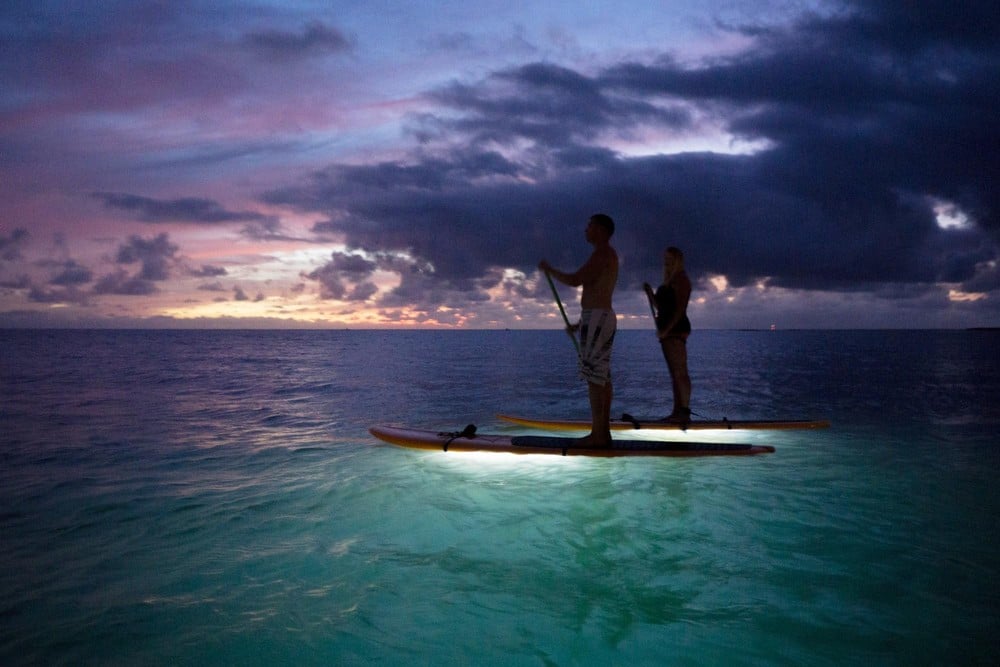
(66, 284)
(859, 159)
(345, 277)
(315, 39)
(547, 104)
(154, 254)
(70, 294)
(16, 283)
(240, 295)
(186, 209)
(208, 271)
(11, 244)
(270, 230)
(863, 118)
(122, 283)
(155, 257)
(72, 273)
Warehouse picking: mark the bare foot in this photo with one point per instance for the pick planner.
(679, 416)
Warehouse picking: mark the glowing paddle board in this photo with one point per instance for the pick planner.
(541, 444)
(655, 425)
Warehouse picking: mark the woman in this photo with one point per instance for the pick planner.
(670, 303)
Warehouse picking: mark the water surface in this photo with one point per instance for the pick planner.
(213, 497)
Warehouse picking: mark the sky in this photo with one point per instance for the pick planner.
(822, 164)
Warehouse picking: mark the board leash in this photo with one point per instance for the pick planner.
(637, 423)
(562, 310)
(468, 432)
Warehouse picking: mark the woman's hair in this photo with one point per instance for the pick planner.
(678, 257)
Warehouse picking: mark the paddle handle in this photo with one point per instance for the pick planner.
(649, 297)
(562, 310)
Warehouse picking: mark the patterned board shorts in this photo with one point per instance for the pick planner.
(597, 334)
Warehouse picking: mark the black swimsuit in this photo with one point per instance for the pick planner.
(666, 305)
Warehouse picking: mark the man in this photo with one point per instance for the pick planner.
(598, 322)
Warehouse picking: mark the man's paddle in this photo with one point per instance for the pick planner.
(562, 310)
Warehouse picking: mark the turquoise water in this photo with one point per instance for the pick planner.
(214, 498)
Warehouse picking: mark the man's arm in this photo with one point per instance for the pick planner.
(589, 272)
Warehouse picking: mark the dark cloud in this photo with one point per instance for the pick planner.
(240, 295)
(546, 104)
(134, 57)
(155, 256)
(269, 230)
(208, 271)
(865, 119)
(315, 39)
(186, 209)
(17, 282)
(121, 282)
(72, 273)
(421, 291)
(986, 279)
(11, 244)
(345, 277)
(70, 294)
(65, 285)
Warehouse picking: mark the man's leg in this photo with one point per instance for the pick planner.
(600, 413)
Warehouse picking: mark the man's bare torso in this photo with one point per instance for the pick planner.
(599, 286)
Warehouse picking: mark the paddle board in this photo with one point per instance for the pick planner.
(628, 424)
(541, 444)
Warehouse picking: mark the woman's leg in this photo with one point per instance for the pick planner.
(675, 352)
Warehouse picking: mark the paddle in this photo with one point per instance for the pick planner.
(562, 310)
(649, 297)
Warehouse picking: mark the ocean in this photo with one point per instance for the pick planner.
(214, 498)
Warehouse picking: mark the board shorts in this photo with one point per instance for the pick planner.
(597, 333)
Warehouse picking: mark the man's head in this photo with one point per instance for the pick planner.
(605, 221)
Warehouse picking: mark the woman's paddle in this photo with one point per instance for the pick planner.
(649, 296)
(562, 310)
